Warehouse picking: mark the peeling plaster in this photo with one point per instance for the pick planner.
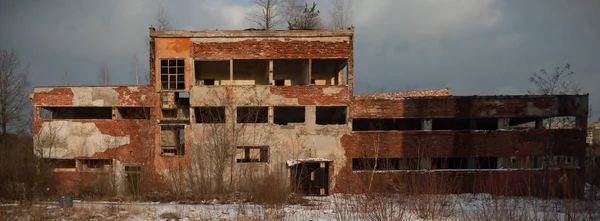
(75, 139)
(332, 90)
(95, 96)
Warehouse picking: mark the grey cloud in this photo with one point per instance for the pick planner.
(473, 47)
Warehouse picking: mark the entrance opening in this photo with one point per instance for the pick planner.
(309, 177)
(133, 176)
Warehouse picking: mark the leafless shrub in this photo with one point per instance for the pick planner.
(104, 74)
(266, 14)
(307, 20)
(341, 14)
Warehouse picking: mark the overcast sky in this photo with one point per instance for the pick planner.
(472, 47)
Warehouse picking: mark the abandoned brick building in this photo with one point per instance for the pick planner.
(229, 104)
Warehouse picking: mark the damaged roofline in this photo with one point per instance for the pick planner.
(244, 33)
(477, 96)
(80, 86)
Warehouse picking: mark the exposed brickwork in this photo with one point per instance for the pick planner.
(141, 96)
(315, 95)
(55, 97)
(269, 48)
(411, 144)
(487, 106)
(402, 94)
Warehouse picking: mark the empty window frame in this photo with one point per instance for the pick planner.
(172, 140)
(209, 114)
(290, 114)
(59, 165)
(252, 114)
(331, 115)
(560, 122)
(464, 124)
(95, 165)
(133, 113)
(386, 124)
(288, 72)
(522, 122)
(75, 112)
(252, 154)
(328, 71)
(172, 74)
(440, 163)
(251, 72)
(212, 72)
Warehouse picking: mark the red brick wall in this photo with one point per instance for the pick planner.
(315, 95)
(488, 106)
(461, 143)
(272, 48)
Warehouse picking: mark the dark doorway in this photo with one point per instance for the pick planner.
(132, 177)
(310, 178)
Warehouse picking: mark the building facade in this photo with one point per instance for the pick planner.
(225, 107)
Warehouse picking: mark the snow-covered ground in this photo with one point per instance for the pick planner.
(335, 207)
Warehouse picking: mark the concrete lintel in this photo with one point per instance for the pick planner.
(245, 34)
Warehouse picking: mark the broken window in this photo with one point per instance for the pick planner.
(331, 115)
(290, 72)
(251, 72)
(172, 140)
(133, 113)
(95, 165)
(175, 106)
(328, 71)
(382, 124)
(252, 114)
(375, 164)
(449, 124)
(212, 72)
(285, 115)
(209, 114)
(75, 112)
(172, 74)
(561, 122)
(522, 122)
(251, 154)
(60, 165)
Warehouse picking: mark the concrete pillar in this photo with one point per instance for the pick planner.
(426, 124)
(539, 123)
(309, 71)
(472, 124)
(231, 71)
(503, 123)
(471, 163)
(271, 82)
(270, 115)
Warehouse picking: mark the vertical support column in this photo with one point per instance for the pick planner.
(539, 123)
(270, 73)
(472, 124)
(230, 71)
(309, 75)
(270, 114)
(503, 123)
(426, 124)
(192, 73)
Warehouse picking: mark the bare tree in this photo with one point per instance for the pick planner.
(308, 20)
(292, 9)
(14, 86)
(554, 83)
(267, 14)
(341, 13)
(66, 77)
(162, 21)
(104, 74)
(135, 63)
